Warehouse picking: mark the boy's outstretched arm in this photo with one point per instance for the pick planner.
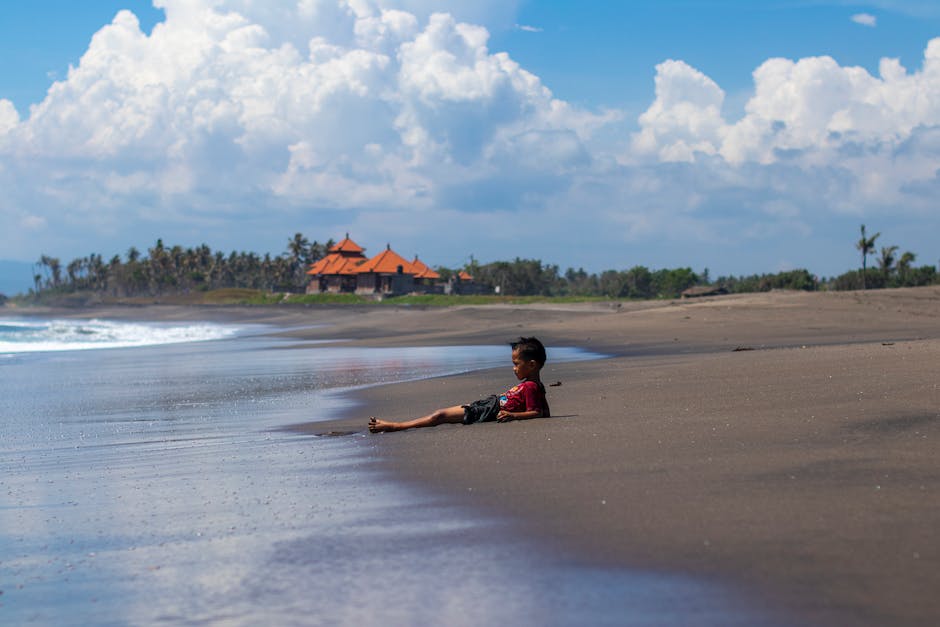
(506, 416)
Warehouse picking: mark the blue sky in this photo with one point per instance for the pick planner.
(622, 42)
(738, 136)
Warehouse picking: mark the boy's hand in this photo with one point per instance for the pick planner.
(504, 416)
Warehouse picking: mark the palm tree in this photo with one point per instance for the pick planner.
(886, 263)
(904, 266)
(867, 247)
(54, 278)
(298, 249)
(74, 269)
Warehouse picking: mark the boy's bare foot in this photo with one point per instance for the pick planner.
(378, 426)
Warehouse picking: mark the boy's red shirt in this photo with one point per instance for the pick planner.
(527, 396)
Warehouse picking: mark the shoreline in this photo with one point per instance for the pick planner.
(801, 468)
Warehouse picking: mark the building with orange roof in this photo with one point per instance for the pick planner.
(337, 272)
(425, 277)
(345, 268)
(462, 283)
(386, 273)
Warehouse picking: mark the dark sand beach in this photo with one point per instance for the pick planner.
(802, 466)
(785, 444)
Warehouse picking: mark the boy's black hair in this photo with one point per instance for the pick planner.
(530, 348)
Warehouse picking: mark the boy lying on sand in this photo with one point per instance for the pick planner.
(524, 401)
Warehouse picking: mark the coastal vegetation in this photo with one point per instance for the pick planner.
(201, 275)
(174, 269)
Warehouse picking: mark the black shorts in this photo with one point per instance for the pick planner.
(483, 410)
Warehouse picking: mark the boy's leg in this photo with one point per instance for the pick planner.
(440, 416)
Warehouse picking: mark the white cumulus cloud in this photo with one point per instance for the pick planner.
(337, 105)
(809, 114)
(685, 118)
(9, 118)
(865, 19)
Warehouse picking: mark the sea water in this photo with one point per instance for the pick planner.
(28, 335)
(145, 478)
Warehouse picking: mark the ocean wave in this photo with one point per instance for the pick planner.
(36, 335)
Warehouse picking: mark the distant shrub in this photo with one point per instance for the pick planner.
(789, 280)
(916, 277)
(671, 283)
(852, 280)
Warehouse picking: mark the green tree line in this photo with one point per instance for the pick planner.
(893, 270)
(173, 270)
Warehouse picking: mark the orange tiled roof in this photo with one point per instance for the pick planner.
(346, 246)
(464, 276)
(386, 262)
(335, 263)
(421, 270)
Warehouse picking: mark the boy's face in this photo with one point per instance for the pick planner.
(523, 368)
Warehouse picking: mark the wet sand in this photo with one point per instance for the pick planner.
(784, 443)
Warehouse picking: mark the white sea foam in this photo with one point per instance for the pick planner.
(36, 335)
